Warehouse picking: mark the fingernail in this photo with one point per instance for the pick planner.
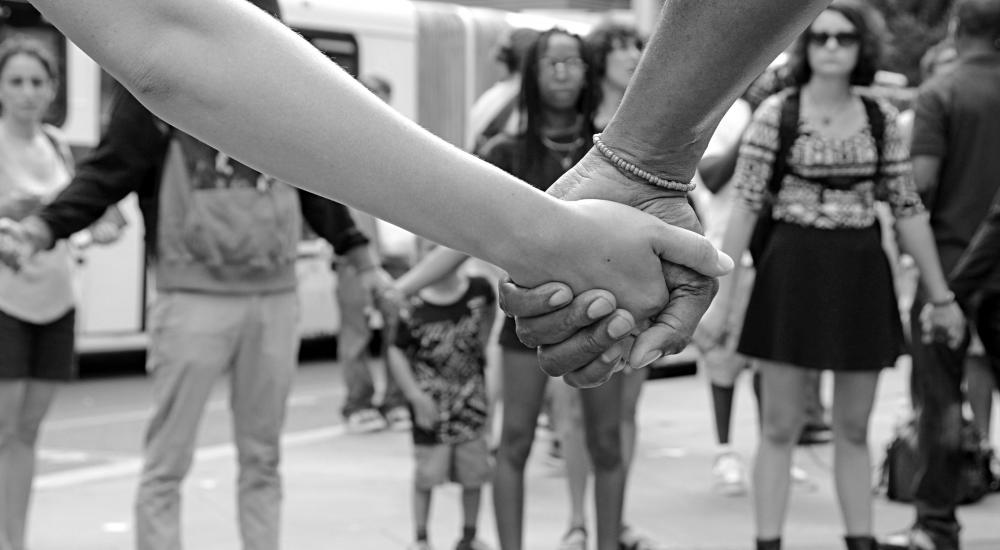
(619, 327)
(560, 297)
(620, 366)
(599, 308)
(649, 358)
(725, 262)
(611, 354)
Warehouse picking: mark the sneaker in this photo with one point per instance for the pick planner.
(474, 544)
(574, 539)
(366, 421)
(399, 419)
(910, 539)
(730, 474)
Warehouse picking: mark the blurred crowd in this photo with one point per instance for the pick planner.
(865, 228)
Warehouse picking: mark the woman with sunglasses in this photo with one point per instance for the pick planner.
(823, 298)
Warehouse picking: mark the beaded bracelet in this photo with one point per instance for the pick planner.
(626, 166)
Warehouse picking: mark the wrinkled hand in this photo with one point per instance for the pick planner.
(425, 412)
(15, 246)
(587, 356)
(942, 324)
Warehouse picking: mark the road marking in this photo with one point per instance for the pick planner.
(215, 405)
(132, 466)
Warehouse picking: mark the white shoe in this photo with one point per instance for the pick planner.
(730, 474)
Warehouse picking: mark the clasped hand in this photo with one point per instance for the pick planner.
(662, 298)
(15, 247)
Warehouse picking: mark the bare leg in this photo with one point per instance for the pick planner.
(602, 422)
(17, 454)
(782, 405)
(421, 509)
(524, 388)
(568, 409)
(853, 398)
(980, 385)
(471, 498)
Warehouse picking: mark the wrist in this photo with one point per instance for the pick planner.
(943, 300)
(632, 168)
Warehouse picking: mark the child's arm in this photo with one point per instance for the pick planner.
(424, 409)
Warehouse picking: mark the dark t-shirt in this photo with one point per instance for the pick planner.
(444, 344)
(504, 151)
(958, 120)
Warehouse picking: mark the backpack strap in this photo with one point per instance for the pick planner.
(788, 130)
(876, 122)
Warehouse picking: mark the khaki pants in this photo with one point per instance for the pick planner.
(195, 338)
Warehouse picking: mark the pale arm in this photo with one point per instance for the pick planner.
(199, 64)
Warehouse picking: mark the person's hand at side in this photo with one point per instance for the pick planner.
(424, 410)
(943, 323)
(16, 244)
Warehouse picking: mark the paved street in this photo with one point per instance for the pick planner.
(352, 491)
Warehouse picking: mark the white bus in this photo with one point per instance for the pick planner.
(438, 58)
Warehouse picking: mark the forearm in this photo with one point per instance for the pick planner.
(174, 68)
(664, 127)
(916, 239)
(436, 264)
(735, 241)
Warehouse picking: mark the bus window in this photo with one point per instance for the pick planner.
(21, 19)
(340, 47)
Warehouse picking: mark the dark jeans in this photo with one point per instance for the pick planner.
(937, 394)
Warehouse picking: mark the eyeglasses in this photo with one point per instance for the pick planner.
(842, 39)
(571, 64)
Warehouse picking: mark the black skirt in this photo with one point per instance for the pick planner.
(824, 299)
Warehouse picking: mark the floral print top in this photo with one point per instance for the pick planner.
(832, 183)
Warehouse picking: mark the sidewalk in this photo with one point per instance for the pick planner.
(351, 492)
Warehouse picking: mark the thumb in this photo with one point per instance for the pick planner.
(680, 246)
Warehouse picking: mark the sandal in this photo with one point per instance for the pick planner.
(574, 539)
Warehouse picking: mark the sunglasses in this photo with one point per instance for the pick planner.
(843, 39)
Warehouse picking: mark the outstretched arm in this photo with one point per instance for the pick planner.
(701, 56)
(238, 80)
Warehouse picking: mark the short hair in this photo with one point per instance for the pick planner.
(869, 46)
(604, 37)
(31, 47)
(979, 19)
(377, 85)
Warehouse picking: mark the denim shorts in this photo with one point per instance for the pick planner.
(42, 351)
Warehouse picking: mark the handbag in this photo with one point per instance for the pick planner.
(899, 469)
